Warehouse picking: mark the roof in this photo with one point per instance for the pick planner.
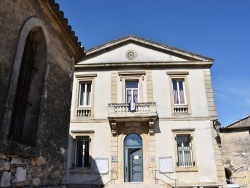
(73, 43)
(145, 42)
(238, 126)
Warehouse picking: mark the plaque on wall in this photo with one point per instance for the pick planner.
(166, 164)
(101, 165)
(114, 159)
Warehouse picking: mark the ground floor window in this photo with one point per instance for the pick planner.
(82, 151)
(184, 151)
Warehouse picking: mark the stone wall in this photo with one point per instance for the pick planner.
(44, 164)
(236, 154)
(235, 148)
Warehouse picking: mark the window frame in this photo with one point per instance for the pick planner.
(85, 83)
(184, 132)
(85, 157)
(84, 78)
(81, 170)
(178, 80)
(16, 147)
(132, 76)
(181, 75)
(132, 91)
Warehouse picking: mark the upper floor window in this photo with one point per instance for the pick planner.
(179, 92)
(132, 92)
(83, 100)
(84, 94)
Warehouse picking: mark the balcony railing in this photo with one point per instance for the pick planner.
(180, 109)
(83, 112)
(124, 109)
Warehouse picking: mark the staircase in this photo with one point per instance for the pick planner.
(124, 185)
(134, 185)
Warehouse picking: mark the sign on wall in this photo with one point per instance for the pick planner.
(114, 159)
(101, 165)
(166, 164)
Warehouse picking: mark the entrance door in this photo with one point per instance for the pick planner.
(133, 166)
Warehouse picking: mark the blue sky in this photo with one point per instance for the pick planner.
(219, 29)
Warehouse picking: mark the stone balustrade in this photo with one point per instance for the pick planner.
(83, 112)
(124, 109)
(180, 109)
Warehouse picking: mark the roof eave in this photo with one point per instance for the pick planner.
(56, 16)
(104, 47)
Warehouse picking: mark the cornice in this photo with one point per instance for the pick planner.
(175, 64)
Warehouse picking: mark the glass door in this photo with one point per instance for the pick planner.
(133, 158)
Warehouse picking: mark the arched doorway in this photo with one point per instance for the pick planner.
(133, 158)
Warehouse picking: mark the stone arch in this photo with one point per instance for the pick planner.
(36, 27)
(29, 25)
(133, 128)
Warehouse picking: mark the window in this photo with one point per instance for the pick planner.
(179, 92)
(184, 151)
(84, 94)
(83, 104)
(179, 96)
(132, 92)
(28, 97)
(132, 86)
(82, 158)
(80, 151)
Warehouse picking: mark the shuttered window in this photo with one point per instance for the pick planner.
(184, 151)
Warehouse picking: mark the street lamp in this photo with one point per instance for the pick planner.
(217, 125)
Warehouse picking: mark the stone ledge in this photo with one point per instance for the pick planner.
(80, 170)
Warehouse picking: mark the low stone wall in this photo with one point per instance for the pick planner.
(16, 171)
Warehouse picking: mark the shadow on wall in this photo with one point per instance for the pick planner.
(90, 171)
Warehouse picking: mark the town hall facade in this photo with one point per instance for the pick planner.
(143, 112)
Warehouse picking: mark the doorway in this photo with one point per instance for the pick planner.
(133, 158)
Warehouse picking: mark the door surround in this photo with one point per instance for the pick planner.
(148, 143)
(133, 158)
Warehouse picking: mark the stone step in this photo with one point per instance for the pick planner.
(134, 185)
(83, 186)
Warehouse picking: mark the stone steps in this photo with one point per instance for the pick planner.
(134, 185)
(124, 185)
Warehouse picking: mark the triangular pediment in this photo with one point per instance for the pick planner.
(133, 49)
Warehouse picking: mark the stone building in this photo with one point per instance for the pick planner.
(38, 54)
(235, 140)
(144, 113)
